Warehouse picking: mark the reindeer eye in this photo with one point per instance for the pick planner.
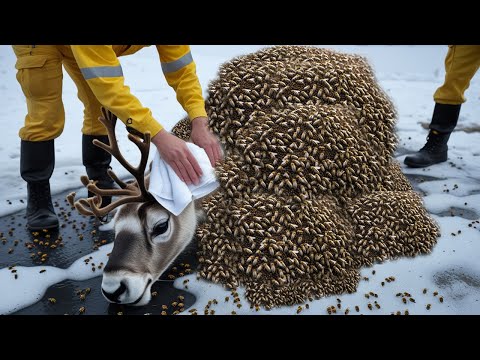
(159, 229)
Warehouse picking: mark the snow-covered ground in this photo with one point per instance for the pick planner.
(409, 74)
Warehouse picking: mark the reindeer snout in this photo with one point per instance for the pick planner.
(126, 288)
(114, 296)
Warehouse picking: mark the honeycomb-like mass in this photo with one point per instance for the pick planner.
(273, 232)
(309, 191)
(277, 77)
(390, 224)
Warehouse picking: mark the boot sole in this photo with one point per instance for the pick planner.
(38, 228)
(416, 165)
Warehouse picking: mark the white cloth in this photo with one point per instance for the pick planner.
(171, 192)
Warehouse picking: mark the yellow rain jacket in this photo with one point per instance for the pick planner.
(101, 69)
(97, 73)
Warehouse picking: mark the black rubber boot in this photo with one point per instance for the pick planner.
(434, 151)
(40, 212)
(97, 162)
(37, 160)
(444, 120)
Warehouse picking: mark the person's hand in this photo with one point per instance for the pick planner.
(176, 153)
(203, 137)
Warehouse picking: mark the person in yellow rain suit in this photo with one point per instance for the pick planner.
(461, 64)
(97, 73)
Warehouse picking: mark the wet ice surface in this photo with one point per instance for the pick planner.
(451, 191)
(69, 300)
(27, 283)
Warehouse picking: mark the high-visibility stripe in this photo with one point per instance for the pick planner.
(102, 71)
(176, 65)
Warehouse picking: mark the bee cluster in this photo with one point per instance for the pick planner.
(390, 224)
(309, 191)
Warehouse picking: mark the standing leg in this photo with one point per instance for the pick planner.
(96, 160)
(461, 64)
(40, 76)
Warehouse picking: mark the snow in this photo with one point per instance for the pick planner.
(409, 75)
(31, 284)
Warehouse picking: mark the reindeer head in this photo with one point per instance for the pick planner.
(147, 237)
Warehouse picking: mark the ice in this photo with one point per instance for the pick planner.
(31, 284)
(28, 288)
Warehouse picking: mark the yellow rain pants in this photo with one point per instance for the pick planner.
(461, 64)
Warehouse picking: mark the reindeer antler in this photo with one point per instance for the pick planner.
(132, 192)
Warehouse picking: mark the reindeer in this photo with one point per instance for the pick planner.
(148, 238)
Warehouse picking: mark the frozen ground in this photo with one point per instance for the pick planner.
(409, 74)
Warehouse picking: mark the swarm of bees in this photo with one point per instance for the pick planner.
(309, 192)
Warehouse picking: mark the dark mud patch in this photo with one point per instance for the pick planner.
(463, 213)
(417, 179)
(458, 282)
(400, 150)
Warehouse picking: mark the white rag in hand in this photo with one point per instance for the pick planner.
(171, 192)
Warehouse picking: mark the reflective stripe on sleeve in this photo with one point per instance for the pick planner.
(176, 65)
(102, 71)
